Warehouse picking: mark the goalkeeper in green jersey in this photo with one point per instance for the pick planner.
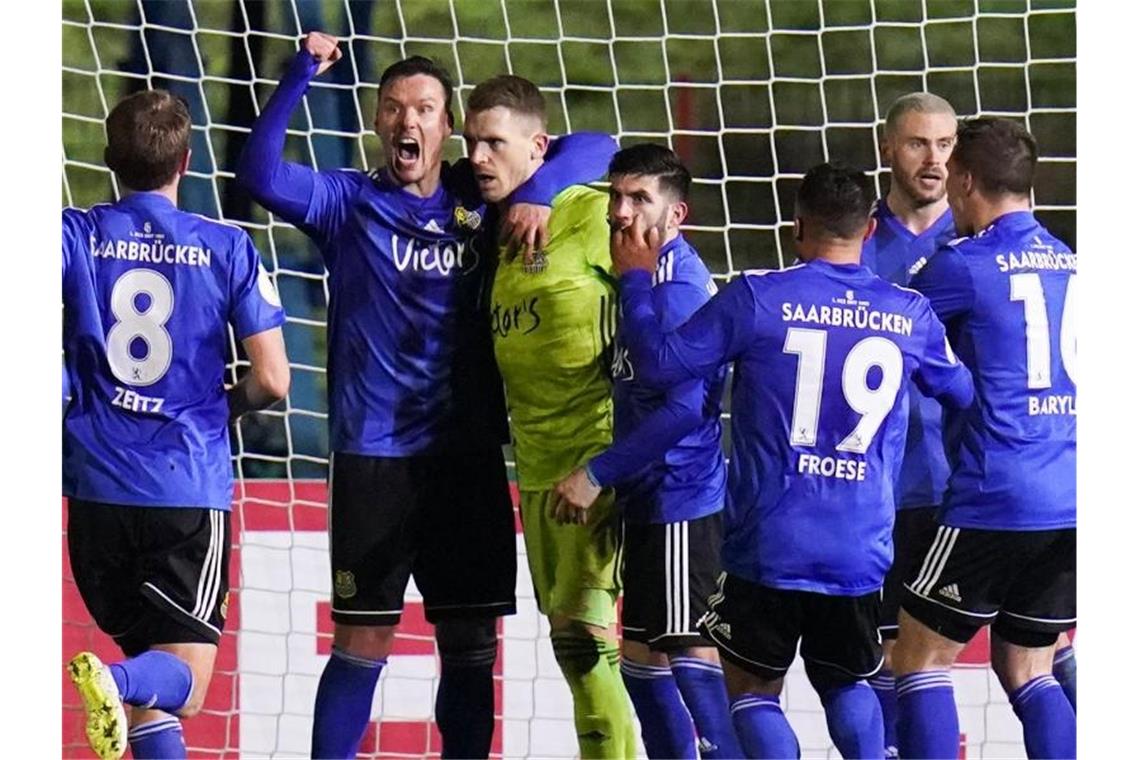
(553, 316)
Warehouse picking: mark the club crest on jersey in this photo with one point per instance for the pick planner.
(345, 584)
(467, 220)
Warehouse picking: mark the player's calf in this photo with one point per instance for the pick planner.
(700, 678)
(928, 716)
(759, 721)
(666, 728)
(465, 701)
(588, 658)
(1025, 672)
(1065, 668)
(854, 718)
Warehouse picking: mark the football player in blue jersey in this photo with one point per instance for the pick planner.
(911, 222)
(822, 351)
(417, 482)
(148, 292)
(668, 469)
(1005, 550)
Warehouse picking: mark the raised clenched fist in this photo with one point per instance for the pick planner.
(323, 47)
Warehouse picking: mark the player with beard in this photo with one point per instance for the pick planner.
(417, 483)
(821, 352)
(912, 222)
(668, 470)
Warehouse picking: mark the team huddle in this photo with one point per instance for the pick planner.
(901, 469)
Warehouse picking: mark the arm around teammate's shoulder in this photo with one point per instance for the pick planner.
(574, 159)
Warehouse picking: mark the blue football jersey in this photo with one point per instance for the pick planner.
(148, 291)
(666, 459)
(1005, 296)
(822, 353)
(406, 276)
(411, 366)
(894, 253)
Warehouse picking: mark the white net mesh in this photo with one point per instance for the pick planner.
(750, 93)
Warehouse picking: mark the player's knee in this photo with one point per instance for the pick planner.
(1018, 662)
(739, 681)
(579, 647)
(193, 705)
(467, 643)
(824, 679)
(373, 642)
(919, 648)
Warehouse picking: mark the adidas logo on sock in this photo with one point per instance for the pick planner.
(951, 592)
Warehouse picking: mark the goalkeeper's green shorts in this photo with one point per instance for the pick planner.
(576, 569)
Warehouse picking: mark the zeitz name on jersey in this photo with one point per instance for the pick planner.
(1010, 262)
(135, 402)
(859, 317)
(153, 253)
(427, 257)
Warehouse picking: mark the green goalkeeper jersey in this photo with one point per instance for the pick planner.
(553, 328)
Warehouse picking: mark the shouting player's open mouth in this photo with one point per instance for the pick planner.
(406, 153)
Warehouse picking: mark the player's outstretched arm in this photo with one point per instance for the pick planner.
(715, 335)
(282, 187)
(267, 381)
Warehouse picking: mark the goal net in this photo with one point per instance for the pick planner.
(750, 93)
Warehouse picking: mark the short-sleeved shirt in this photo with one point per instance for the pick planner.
(148, 292)
(1005, 295)
(894, 253)
(553, 332)
(821, 352)
(408, 348)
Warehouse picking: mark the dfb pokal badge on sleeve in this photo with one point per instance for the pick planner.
(345, 584)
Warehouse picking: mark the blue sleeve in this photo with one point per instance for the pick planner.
(574, 159)
(656, 434)
(69, 237)
(940, 374)
(282, 187)
(947, 283)
(254, 304)
(682, 412)
(715, 335)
